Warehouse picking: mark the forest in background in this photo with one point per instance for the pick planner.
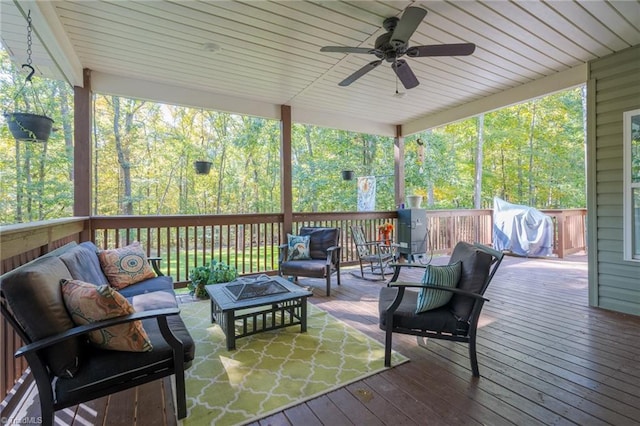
(531, 153)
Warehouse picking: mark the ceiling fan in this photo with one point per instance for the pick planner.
(393, 44)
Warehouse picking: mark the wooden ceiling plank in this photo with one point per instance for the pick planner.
(624, 26)
(522, 25)
(496, 49)
(576, 13)
(196, 61)
(571, 37)
(488, 36)
(120, 29)
(194, 35)
(320, 29)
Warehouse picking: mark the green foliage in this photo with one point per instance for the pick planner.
(35, 178)
(144, 154)
(214, 273)
(533, 154)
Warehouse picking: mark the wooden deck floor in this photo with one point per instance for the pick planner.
(545, 357)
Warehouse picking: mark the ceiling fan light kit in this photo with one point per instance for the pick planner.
(394, 44)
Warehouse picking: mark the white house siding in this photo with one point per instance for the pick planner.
(613, 87)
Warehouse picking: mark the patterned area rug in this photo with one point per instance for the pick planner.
(271, 371)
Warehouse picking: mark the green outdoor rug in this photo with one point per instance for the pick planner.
(271, 371)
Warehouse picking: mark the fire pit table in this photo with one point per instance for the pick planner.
(251, 305)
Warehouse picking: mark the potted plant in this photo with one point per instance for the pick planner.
(347, 174)
(202, 167)
(214, 273)
(199, 277)
(384, 233)
(415, 199)
(220, 272)
(25, 126)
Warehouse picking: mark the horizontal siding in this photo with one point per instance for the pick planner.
(617, 89)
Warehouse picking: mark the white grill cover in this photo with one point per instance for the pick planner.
(522, 230)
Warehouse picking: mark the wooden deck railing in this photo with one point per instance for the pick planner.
(570, 229)
(248, 242)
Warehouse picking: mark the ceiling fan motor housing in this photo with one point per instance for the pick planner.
(386, 48)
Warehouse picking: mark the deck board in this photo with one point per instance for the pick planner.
(544, 355)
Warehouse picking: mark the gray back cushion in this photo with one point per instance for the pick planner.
(320, 240)
(84, 265)
(475, 271)
(33, 294)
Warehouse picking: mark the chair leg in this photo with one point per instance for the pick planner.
(47, 413)
(472, 355)
(181, 397)
(361, 269)
(387, 340)
(328, 274)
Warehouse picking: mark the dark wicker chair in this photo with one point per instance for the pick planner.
(324, 249)
(458, 319)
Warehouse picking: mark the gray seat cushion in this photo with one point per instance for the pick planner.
(305, 268)
(440, 319)
(99, 363)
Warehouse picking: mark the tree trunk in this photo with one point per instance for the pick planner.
(532, 201)
(477, 197)
(312, 168)
(123, 152)
(41, 176)
(67, 129)
(19, 185)
(27, 173)
(583, 92)
(503, 195)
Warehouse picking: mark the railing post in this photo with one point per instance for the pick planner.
(560, 219)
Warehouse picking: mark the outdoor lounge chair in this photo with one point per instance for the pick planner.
(456, 320)
(323, 260)
(68, 370)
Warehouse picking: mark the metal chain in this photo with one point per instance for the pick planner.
(31, 69)
(29, 41)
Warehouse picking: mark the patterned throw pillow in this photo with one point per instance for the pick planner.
(88, 303)
(442, 276)
(125, 265)
(298, 247)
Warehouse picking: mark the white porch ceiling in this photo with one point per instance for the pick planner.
(270, 54)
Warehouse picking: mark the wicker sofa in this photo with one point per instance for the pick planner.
(68, 369)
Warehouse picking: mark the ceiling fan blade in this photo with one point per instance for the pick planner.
(407, 25)
(405, 74)
(454, 49)
(344, 49)
(362, 71)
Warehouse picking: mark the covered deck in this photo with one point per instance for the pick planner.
(545, 357)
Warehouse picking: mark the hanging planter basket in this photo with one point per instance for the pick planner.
(202, 167)
(29, 127)
(347, 175)
(25, 126)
